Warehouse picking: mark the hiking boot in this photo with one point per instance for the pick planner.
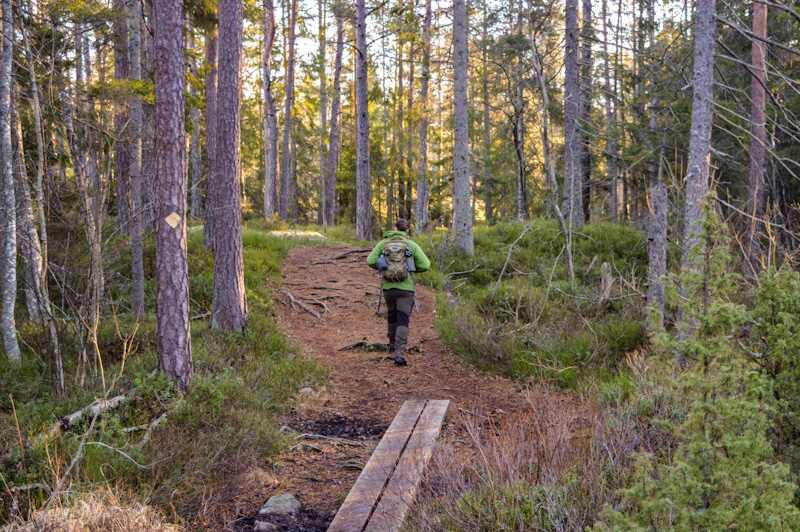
(399, 359)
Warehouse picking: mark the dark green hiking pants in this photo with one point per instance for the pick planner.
(400, 303)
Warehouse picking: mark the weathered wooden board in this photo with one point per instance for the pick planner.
(357, 508)
(385, 490)
(399, 493)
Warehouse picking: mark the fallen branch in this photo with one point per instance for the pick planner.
(465, 271)
(153, 424)
(369, 346)
(297, 303)
(94, 409)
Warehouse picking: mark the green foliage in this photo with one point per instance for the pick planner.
(210, 436)
(723, 472)
(532, 323)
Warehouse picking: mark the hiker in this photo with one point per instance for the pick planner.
(397, 258)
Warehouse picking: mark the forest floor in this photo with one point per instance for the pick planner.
(337, 426)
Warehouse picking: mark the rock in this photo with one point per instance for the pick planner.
(283, 504)
(263, 526)
(306, 390)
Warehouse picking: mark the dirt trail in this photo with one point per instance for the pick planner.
(364, 390)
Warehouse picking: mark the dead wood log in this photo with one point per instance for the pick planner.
(98, 407)
(297, 303)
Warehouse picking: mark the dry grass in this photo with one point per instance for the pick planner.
(100, 511)
(551, 468)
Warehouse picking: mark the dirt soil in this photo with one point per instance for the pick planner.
(338, 426)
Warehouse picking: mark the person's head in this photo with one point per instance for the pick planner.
(402, 225)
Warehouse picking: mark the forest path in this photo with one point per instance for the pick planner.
(364, 390)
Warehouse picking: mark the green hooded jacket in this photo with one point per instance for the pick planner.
(420, 260)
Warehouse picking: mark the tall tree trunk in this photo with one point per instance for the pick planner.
(487, 121)
(195, 163)
(611, 138)
(323, 111)
(211, 138)
(8, 226)
(462, 217)
(587, 36)
(333, 141)
(657, 226)
(548, 159)
(757, 191)
(401, 125)
(57, 371)
(697, 171)
(230, 306)
(287, 179)
(122, 146)
(423, 195)
(572, 153)
(363, 183)
(270, 117)
(518, 125)
(410, 132)
(29, 246)
(174, 347)
(136, 124)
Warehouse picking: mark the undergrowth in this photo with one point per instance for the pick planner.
(209, 438)
(533, 323)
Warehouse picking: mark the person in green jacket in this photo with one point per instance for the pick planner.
(399, 295)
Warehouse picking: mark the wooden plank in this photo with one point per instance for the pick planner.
(356, 509)
(403, 486)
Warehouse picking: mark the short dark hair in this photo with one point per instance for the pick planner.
(402, 224)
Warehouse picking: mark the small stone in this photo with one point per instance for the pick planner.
(263, 526)
(306, 390)
(283, 504)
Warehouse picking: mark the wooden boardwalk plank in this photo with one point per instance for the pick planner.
(399, 494)
(356, 509)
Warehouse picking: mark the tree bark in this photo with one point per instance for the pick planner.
(333, 141)
(572, 208)
(423, 195)
(657, 224)
(270, 117)
(195, 163)
(757, 190)
(363, 183)
(487, 122)
(230, 307)
(587, 36)
(611, 138)
(172, 280)
(697, 171)
(122, 145)
(136, 124)
(211, 138)
(462, 217)
(8, 226)
(323, 112)
(287, 179)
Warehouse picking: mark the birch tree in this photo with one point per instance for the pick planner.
(8, 226)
